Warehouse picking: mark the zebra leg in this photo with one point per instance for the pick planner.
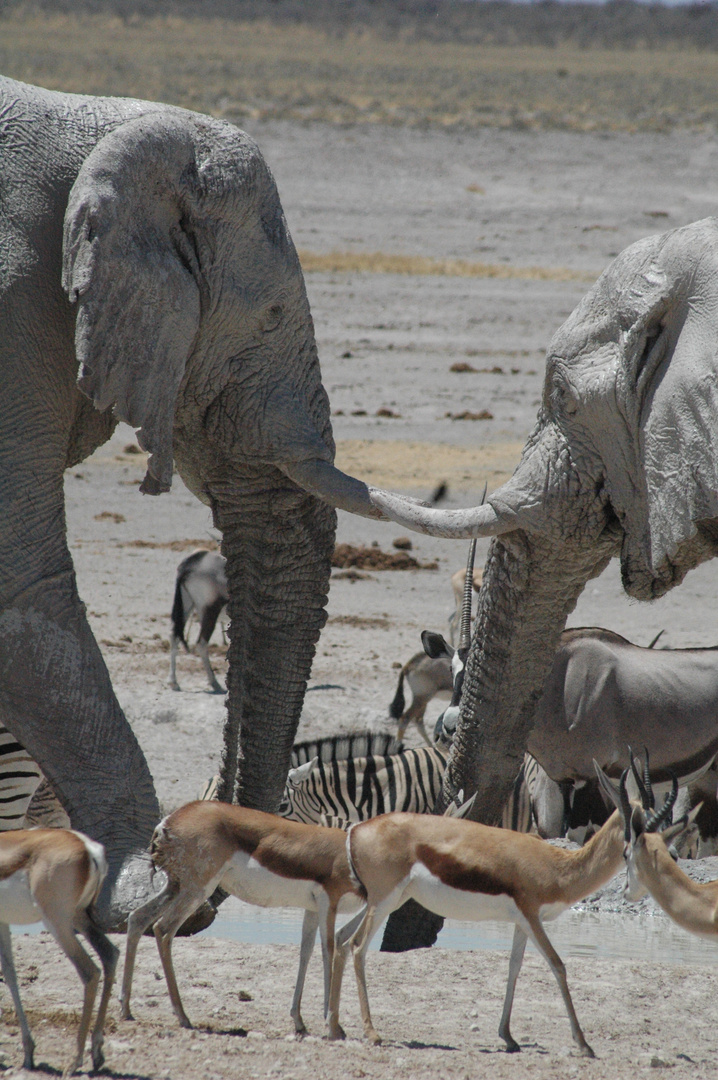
(309, 934)
(10, 979)
(209, 621)
(174, 645)
(517, 956)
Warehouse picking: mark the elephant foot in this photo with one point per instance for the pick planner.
(199, 920)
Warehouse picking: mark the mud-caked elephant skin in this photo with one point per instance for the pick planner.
(623, 461)
(147, 275)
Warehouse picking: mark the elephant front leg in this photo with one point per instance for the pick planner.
(56, 698)
(278, 544)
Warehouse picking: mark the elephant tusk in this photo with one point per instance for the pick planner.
(323, 479)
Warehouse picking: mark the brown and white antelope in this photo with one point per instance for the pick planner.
(54, 876)
(258, 857)
(464, 870)
(651, 864)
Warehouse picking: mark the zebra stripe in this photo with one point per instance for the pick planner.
(19, 776)
(359, 788)
(355, 788)
(340, 747)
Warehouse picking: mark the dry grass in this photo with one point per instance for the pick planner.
(254, 69)
(378, 262)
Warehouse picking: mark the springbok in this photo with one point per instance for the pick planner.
(464, 870)
(651, 863)
(262, 859)
(201, 586)
(54, 876)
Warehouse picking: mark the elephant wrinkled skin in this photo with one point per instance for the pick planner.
(147, 275)
(623, 461)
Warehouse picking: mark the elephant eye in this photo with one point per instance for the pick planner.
(566, 400)
(272, 318)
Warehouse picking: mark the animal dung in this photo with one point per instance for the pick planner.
(373, 558)
(402, 543)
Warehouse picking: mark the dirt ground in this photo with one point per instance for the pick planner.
(388, 342)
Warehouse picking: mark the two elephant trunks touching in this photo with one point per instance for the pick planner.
(151, 249)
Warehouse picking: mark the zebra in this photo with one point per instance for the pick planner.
(326, 782)
(201, 586)
(19, 777)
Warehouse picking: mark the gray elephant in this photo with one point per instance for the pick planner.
(623, 461)
(146, 246)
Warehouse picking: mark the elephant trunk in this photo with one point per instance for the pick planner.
(278, 542)
(530, 587)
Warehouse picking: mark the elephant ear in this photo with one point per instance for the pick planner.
(677, 392)
(130, 265)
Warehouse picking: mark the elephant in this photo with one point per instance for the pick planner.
(622, 461)
(147, 275)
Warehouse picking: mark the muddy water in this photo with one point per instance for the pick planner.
(575, 934)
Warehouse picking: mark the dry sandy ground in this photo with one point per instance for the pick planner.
(519, 200)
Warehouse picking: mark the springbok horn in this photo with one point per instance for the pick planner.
(663, 817)
(639, 782)
(647, 781)
(625, 806)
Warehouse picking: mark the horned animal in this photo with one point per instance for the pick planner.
(465, 870)
(604, 694)
(54, 876)
(650, 839)
(262, 859)
(427, 677)
(201, 587)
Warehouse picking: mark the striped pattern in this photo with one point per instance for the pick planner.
(359, 788)
(361, 775)
(19, 776)
(340, 747)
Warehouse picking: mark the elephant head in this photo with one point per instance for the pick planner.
(193, 325)
(623, 460)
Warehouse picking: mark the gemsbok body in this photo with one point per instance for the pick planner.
(54, 876)
(258, 857)
(604, 694)
(463, 870)
(200, 587)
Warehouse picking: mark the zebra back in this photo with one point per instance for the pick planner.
(19, 776)
(355, 789)
(358, 744)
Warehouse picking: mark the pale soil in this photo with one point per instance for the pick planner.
(549, 200)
